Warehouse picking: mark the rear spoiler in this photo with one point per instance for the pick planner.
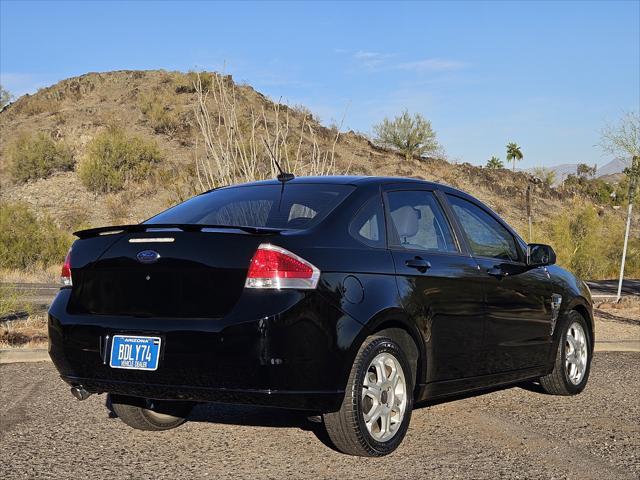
(145, 227)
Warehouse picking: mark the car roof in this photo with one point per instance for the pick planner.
(360, 180)
(346, 180)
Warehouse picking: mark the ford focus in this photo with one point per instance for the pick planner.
(350, 298)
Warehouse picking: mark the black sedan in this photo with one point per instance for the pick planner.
(348, 297)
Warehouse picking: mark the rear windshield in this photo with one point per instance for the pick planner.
(295, 207)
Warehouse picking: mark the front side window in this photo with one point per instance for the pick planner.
(292, 206)
(487, 237)
(418, 222)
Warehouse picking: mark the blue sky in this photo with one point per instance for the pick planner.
(547, 75)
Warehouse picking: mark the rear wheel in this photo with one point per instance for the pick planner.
(573, 358)
(152, 415)
(376, 410)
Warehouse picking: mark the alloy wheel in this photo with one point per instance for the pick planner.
(384, 397)
(576, 353)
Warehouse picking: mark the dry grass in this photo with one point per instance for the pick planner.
(34, 274)
(24, 333)
(13, 302)
(21, 325)
(119, 206)
(161, 113)
(36, 104)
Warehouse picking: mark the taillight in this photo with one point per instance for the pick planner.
(65, 275)
(275, 267)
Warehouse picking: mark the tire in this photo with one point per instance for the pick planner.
(368, 384)
(573, 358)
(150, 415)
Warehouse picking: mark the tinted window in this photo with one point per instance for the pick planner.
(368, 225)
(418, 222)
(295, 206)
(487, 236)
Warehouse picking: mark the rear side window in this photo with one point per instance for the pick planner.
(487, 236)
(294, 206)
(368, 224)
(418, 222)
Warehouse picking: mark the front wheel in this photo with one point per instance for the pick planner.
(376, 410)
(573, 358)
(152, 415)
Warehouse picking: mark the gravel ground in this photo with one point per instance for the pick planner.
(510, 433)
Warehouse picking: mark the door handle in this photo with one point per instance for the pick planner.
(497, 272)
(418, 263)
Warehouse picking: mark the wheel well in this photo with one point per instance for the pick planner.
(409, 345)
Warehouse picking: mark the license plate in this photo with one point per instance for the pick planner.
(135, 353)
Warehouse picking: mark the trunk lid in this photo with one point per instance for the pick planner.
(173, 271)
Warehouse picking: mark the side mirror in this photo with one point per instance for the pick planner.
(539, 255)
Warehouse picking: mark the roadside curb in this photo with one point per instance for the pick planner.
(18, 355)
(619, 346)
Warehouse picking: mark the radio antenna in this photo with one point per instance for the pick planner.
(282, 176)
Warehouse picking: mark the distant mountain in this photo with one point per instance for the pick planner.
(614, 166)
(609, 172)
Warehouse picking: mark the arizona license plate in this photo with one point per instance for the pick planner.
(134, 352)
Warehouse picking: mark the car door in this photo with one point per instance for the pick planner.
(438, 282)
(517, 297)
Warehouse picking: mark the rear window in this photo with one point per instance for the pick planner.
(295, 207)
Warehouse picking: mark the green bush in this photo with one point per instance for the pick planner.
(411, 135)
(38, 156)
(598, 190)
(114, 158)
(26, 241)
(590, 244)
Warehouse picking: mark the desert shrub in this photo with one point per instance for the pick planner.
(38, 156)
(114, 157)
(26, 241)
(589, 243)
(410, 135)
(546, 175)
(598, 190)
(160, 114)
(188, 82)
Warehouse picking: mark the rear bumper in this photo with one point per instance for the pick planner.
(285, 349)
(316, 401)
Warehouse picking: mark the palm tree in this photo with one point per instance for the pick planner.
(514, 154)
(494, 163)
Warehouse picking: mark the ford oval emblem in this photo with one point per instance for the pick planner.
(148, 256)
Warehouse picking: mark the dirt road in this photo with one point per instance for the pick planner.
(511, 433)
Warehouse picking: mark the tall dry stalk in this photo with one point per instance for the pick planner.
(243, 148)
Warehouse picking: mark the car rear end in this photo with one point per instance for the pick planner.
(208, 301)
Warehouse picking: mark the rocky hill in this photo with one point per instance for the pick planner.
(64, 126)
(77, 109)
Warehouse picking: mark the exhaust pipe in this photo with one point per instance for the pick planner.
(80, 393)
